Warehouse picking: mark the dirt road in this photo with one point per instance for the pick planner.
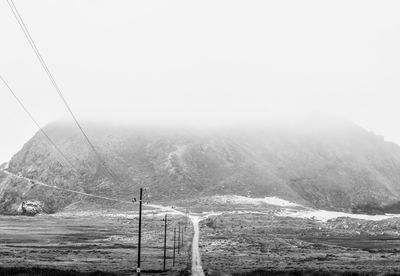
(197, 269)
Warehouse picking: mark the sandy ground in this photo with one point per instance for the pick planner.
(236, 199)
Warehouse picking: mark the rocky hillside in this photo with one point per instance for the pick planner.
(331, 165)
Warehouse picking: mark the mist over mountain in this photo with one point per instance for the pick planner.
(328, 164)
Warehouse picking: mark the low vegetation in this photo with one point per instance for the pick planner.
(263, 244)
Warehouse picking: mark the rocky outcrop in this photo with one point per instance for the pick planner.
(30, 208)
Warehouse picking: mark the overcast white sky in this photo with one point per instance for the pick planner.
(201, 61)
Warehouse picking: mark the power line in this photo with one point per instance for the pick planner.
(64, 189)
(50, 76)
(37, 124)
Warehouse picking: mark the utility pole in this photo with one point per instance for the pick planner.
(182, 234)
(173, 257)
(140, 231)
(179, 237)
(187, 218)
(165, 240)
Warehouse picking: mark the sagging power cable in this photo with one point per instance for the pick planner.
(32, 43)
(63, 189)
(37, 124)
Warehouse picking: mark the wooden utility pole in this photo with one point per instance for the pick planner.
(182, 234)
(165, 240)
(187, 218)
(179, 237)
(140, 231)
(173, 257)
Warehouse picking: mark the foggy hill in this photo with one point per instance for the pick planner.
(331, 165)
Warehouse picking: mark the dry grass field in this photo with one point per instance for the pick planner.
(88, 242)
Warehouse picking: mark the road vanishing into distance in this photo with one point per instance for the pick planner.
(197, 269)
